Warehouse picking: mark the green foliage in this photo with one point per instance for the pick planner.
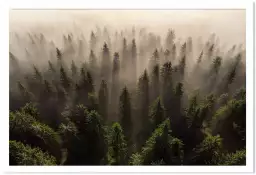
(25, 128)
(117, 146)
(240, 94)
(21, 154)
(157, 113)
(64, 79)
(125, 113)
(155, 83)
(30, 108)
(103, 100)
(161, 146)
(143, 123)
(230, 122)
(237, 158)
(209, 151)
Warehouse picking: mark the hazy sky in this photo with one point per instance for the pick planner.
(229, 25)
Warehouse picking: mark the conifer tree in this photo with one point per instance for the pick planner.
(167, 85)
(166, 55)
(155, 60)
(51, 67)
(170, 39)
(161, 146)
(64, 79)
(124, 61)
(155, 83)
(93, 63)
(157, 113)
(125, 114)
(103, 101)
(134, 62)
(209, 151)
(21, 154)
(143, 110)
(237, 158)
(173, 52)
(105, 63)
(117, 146)
(93, 41)
(115, 86)
(73, 69)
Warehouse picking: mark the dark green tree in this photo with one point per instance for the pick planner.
(103, 101)
(117, 150)
(155, 83)
(157, 113)
(21, 154)
(125, 114)
(142, 120)
(73, 70)
(209, 151)
(64, 79)
(105, 63)
(115, 87)
(161, 146)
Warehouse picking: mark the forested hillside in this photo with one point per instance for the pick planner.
(128, 97)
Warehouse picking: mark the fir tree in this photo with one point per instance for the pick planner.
(143, 109)
(117, 146)
(103, 100)
(64, 79)
(125, 114)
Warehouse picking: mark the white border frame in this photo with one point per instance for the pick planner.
(117, 4)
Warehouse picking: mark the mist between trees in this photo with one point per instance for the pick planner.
(128, 97)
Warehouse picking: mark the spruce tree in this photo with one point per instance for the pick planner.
(115, 86)
(64, 79)
(155, 83)
(73, 69)
(103, 101)
(105, 63)
(117, 146)
(134, 62)
(157, 113)
(143, 127)
(125, 114)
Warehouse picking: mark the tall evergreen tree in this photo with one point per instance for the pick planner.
(21, 154)
(155, 60)
(143, 110)
(93, 63)
(124, 61)
(64, 79)
(134, 62)
(105, 63)
(161, 146)
(115, 86)
(209, 151)
(73, 70)
(93, 41)
(167, 86)
(155, 83)
(125, 114)
(157, 113)
(169, 41)
(103, 101)
(117, 146)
